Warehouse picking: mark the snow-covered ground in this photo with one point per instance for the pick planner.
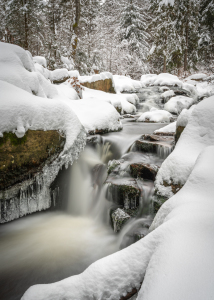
(51, 106)
(174, 261)
(198, 134)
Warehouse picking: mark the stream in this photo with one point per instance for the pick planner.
(49, 246)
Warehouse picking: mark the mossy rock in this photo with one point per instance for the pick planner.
(145, 171)
(21, 158)
(105, 85)
(178, 133)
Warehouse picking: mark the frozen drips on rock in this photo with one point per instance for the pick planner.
(34, 194)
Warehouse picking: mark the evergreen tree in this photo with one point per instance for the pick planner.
(134, 37)
(206, 42)
(165, 53)
(187, 21)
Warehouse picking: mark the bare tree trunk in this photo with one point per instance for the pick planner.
(26, 27)
(75, 28)
(186, 49)
(164, 64)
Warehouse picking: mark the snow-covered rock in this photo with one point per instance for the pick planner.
(176, 104)
(198, 134)
(183, 118)
(197, 77)
(158, 116)
(59, 75)
(96, 115)
(126, 84)
(167, 130)
(179, 246)
(74, 73)
(122, 102)
(161, 79)
(96, 77)
(22, 111)
(43, 71)
(41, 60)
(167, 95)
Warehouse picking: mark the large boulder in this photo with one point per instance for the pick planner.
(102, 82)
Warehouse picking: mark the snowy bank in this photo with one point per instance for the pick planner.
(156, 116)
(168, 129)
(198, 134)
(126, 84)
(166, 255)
(124, 103)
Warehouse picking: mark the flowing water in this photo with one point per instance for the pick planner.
(50, 246)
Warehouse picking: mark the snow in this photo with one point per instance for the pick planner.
(59, 74)
(95, 114)
(198, 76)
(170, 128)
(74, 73)
(41, 60)
(174, 261)
(167, 95)
(184, 116)
(198, 134)
(120, 101)
(167, 2)
(45, 72)
(161, 79)
(65, 90)
(21, 111)
(176, 104)
(126, 84)
(158, 116)
(96, 77)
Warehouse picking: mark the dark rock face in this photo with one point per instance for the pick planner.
(105, 85)
(61, 80)
(124, 192)
(21, 158)
(178, 133)
(145, 171)
(27, 166)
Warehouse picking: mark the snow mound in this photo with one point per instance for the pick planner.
(96, 115)
(176, 104)
(43, 71)
(21, 111)
(158, 116)
(74, 73)
(184, 224)
(41, 60)
(126, 84)
(122, 102)
(170, 128)
(59, 74)
(199, 76)
(198, 134)
(184, 116)
(167, 95)
(96, 77)
(161, 79)
(65, 90)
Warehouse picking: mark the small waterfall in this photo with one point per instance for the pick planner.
(164, 150)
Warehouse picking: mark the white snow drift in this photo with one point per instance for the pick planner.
(126, 84)
(176, 104)
(198, 134)
(161, 79)
(156, 115)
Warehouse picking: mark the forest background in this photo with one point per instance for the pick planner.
(125, 37)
